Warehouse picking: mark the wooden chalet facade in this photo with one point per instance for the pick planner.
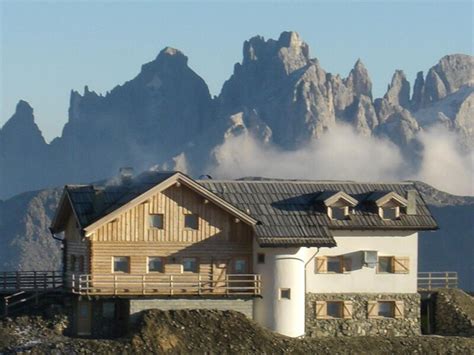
(164, 240)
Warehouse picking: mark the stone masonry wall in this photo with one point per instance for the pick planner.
(241, 305)
(361, 324)
(454, 313)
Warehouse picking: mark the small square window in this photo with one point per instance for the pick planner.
(334, 309)
(240, 266)
(389, 212)
(334, 264)
(155, 264)
(108, 310)
(285, 294)
(338, 213)
(386, 309)
(191, 221)
(156, 221)
(260, 258)
(385, 264)
(190, 265)
(121, 264)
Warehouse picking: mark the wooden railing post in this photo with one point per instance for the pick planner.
(143, 284)
(115, 284)
(226, 284)
(199, 284)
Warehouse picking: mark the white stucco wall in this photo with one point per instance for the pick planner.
(283, 268)
(365, 279)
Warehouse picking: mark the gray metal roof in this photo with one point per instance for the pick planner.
(291, 212)
(288, 211)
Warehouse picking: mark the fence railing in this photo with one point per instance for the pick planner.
(14, 281)
(437, 279)
(165, 284)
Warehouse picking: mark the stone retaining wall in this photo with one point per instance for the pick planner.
(241, 305)
(454, 312)
(360, 324)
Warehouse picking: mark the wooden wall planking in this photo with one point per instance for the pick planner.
(219, 237)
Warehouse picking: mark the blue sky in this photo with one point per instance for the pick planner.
(49, 48)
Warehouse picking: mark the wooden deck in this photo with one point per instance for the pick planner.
(165, 284)
(15, 281)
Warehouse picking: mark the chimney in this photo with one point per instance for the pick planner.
(411, 198)
(99, 199)
(126, 175)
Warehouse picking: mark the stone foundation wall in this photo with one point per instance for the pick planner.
(360, 324)
(241, 305)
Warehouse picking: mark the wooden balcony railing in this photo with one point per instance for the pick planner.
(165, 284)
(432, 280)
(15, 281)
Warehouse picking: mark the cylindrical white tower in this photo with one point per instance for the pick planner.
(282, 306)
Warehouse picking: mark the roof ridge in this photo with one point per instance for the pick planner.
(282, 181)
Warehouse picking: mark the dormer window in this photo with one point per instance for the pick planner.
(338, 204)
(389, 204)
(390, 212)
(338, 213)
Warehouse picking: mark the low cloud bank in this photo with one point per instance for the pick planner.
(342, 154)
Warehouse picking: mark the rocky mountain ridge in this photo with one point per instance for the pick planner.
(278, 94)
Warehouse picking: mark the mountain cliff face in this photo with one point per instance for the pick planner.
(165, 116)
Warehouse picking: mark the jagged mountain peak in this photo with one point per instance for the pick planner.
(359, 80)
(22, 119)
(398, 91)
(285, 55)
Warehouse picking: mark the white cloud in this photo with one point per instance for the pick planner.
(342, 154)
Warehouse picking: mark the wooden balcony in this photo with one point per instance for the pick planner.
(164, 284)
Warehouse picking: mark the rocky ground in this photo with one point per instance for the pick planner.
(204, 331)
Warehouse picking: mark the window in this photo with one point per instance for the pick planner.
(260, 258)
(73, 263)
(385, 309)
(393, 264)
(121, 264)
(385, 264)
(339, 213)
(190, 265)
(285, 293)
(240, 266)
(81, 263)
(156, 221)
(108, 310)
(191, 221)
(334, 264)
(155, 264)
(334, 309)
(389, 212)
